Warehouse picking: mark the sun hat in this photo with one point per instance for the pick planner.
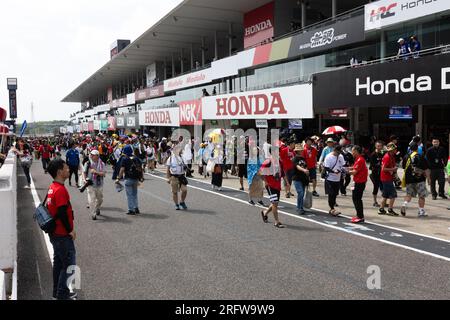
(330, 140)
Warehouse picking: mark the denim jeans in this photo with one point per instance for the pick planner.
(131, 187)
(63, 258)
(300, 194)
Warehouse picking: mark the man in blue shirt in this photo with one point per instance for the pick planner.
(403, 50)
(414, 47)
(73, 161)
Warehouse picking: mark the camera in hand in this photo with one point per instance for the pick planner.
(88, 183)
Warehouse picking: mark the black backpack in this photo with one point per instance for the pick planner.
(135, 169)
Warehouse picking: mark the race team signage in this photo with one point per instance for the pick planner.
(120, 121)
(338, 34)
(381, 14)
(191, 113)
(424, 81)
(131, 121)
(148, 93)
(112, 124)
(294, 102)
(167, 117)
(259, 25)
(188, 80)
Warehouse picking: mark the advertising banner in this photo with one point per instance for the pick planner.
(97, 125)
(424, 81)
(149, 93)
(191, 113)
(103, 125)
(400, 113)
(12, 104)
(91, 126)
(112, 124)
(188, 80)
(293, 102)
(131, 121)
(259, 25)
(167, 117)
(120, 121)
(384, 13)
(338, 34)
(262, 124)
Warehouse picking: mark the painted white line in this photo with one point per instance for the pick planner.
(348, 217)
(37, 201)
(326, 225)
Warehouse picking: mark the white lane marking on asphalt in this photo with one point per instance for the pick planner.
(39, 278)
(37, 201)
(357, 227)
(328, 226)
(396, 235)
(348, 217)
(330, 222)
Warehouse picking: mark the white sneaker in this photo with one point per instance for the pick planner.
(220, 189)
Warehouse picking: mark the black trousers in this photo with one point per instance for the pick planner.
(357, 195)
(45, 163)
(345, 181)
(26, 170)
(332, 189)
(73, 170)
(439, 176)
(377, 185)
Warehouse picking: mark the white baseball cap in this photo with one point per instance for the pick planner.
(95, 153)
(400, 40)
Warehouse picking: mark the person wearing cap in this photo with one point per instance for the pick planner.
(388, 170)
(131, 171)
(403, 50)
(326, 151)
(414, 47)
(437, 161)
(300, 177)
(94, 170)
(415, 174)
(333, 166)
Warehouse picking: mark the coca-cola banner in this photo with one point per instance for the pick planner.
(167, 117)
(293, 102)
(190, 113)
(258, 25)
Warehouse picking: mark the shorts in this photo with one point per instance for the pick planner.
(176, 185)
(389, 191)
(274, 195)
(242, 171)
(417, 189)
(312, 174)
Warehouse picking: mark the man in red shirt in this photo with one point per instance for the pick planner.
(360, 174)
(287, 155)
(62, 239)
(310, 155)
(388, 171)
(272, 171)
(45, 152)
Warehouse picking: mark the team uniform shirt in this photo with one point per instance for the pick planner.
(361, 170)
(269, 171)
(310, 155)
(45, 151)
(59, 197)
(387, 162)
(286, 156)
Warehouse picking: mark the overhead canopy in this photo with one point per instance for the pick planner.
(183, 26)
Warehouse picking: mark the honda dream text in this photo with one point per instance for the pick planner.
(405, 85)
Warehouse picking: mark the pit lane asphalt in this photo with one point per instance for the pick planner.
(221, 249)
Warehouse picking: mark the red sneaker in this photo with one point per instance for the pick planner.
(357, 220)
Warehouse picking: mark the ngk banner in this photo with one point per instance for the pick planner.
(423, 81)
(381, 14)
(259, 25)
(293, 102)
(167, 117)
(191, 113)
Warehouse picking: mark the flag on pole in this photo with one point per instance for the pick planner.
(24, 127)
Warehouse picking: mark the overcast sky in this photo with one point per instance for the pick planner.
(52, 46)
